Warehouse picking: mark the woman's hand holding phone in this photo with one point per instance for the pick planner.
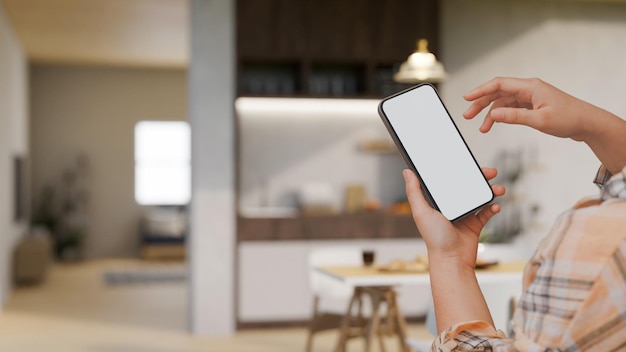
(445, 240)
(452, 248)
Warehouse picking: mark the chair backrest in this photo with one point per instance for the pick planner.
(330, 256)
(335, 256)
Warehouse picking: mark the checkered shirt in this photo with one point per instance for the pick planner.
(574, 296)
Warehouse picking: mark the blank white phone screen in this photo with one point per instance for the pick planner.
(437, 150)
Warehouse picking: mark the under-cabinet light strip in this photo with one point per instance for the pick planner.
(358, 107)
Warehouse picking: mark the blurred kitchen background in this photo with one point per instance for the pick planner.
(288, 154)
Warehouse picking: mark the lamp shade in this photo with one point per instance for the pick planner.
(421, 66)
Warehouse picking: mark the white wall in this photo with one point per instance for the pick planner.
(13, 141)
(288, 143)
(576, 46)
(92, 111)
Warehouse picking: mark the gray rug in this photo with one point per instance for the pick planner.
(146, 275)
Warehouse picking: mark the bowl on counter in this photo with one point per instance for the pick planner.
(268, 212)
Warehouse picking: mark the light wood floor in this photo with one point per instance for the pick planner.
(76, 311)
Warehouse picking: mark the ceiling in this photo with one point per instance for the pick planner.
(138, 33)
(141, 33)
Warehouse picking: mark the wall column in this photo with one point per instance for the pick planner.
(212, 224)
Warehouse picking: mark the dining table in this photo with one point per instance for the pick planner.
(500, 283)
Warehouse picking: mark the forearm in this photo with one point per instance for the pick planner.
(456, 294)
(606, 137)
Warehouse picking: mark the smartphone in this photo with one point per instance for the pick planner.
(431, 144)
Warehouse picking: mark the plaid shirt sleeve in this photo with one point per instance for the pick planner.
(574, 295)
(472, 336)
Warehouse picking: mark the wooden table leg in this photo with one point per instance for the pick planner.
(391, 317)
(374, 324)
(400, 322)
(381, 340)
(344, 331)
(395, 320)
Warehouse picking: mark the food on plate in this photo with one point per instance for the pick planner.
(483, 264)
(403, 208)
(371, 205)
(420, 265)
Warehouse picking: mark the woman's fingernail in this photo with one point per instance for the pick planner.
(405, 174)
(468, 94)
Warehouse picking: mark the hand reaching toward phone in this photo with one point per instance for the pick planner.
(445, 240)
(537, 104)
(530, 102)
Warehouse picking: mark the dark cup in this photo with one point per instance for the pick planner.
(368, 257)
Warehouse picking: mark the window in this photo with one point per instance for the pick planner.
(162, 163)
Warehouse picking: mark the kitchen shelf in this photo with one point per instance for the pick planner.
(384, 84)
(318, 79)
(337, 80)
(274, 79)
(378, 147)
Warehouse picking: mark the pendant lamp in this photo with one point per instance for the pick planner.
(420, 67)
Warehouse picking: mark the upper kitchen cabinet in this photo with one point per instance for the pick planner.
(271, 30)
(399, 24)
(340, 31)
(328, 48)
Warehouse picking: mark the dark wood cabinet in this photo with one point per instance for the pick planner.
(340, 30)
(401, 23)
(336, 48)
(269, 30)
(362, 225)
